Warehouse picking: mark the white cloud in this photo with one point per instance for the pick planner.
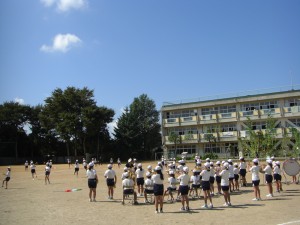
(62, 43)
(111, 126)
(65, 5)
(19, 100)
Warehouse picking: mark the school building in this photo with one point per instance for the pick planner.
(224, 117)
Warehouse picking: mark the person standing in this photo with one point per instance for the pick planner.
(243, 171)
(158, 188)
(277, 176)
(69, 162)
(205, 174)
(47, 173)
(76, 168)
(255, 179)
(140, 179)
(269, 177)
(119, 162)
(92, 182)
(111, 180)
(225, 184)
(26, 165)
(33, 170)
(7, 177)
(184, 180)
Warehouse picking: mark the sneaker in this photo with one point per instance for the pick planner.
(255, 199)
(211, 206)
(225, 204)
(259, 199)
(90, 200)
(269, 195)
(204, 207)
(187, 208)
(229, 204)
(161, 211)
(156, 211)
(182, 209)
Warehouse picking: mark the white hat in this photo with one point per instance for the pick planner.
(211, 163)
(171, 172)
(148, 174)
(218, 163)
(207, 159)
(126, 174)
(269, 161)
(149, 167)
(157, 168)
(223, 162)
(109, 166)
(140, 165)
(226, 164)
(125, 168)
(129, 160)
(229, 160)
(272, 157)
(241, 158)
(134, 159)
(277, 163)
(255, 160)
(235, 164)
(207, 164)
(91, 164)
(186, 169)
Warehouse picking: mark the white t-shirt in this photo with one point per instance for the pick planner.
(230, 170)
(184, 179)
(149, 184)
(139, 173)
(91, 174)
(26, 164)
(8, 173)
(123, 176)
(32, 166)
(224, 178)
(110, 174)
(47, 169)
(277, 170)
(242, 165)
(127, 183)
(205, 175)
(268, 170)
(235, 170)
(255, 172)
(84, 164)
(212, 172)
(172, 182)
(156, 179)
(195, 179)
(76, 165)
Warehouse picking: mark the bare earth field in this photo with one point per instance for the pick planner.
(28, 201)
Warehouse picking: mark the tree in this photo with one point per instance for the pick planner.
(72, 115)
(138, 127)
(174, 138)
(296, 138)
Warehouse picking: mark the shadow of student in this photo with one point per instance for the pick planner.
(180, 212)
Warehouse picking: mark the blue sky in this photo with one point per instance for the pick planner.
(169, 50)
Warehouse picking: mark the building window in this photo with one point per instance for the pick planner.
(228, 127)
(190, 149)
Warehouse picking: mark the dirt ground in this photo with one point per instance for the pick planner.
(28, 201)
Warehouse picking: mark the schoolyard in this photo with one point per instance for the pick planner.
(28, 201)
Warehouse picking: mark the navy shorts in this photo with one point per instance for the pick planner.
(32, 170)
(255, 183)
(243, 172)
(171, 189)
(128, 191)
(211, 180)
(76, 169)
(47, 173)
(231, 178)
(158, 189)
(92, 183)
(148, 191)
(110, 182)
(218, 179)
(236, 177)
(140, 181)
(269, 178)
(7, 178)
(195, 186)
(225, 188)
(277, 177)
(205, 185)
(184, 190)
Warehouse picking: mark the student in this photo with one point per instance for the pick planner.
(158, 188)
(128, 188)
(111, 180)
(140, 179)
(243, 171)
(225, 184)
(269, 178)
(212, 179)
(50, 164)
(85, 165)
(148, 186)
(172, 185)
(26, 165)
(69, 162)
(195, 180)
(111, 161)
(33, 171)
(7, 177)
(119, 162)
(255, 179)
(184, 180)
(236, 176)
(277, 176)
(92, 181)
(205, 174)
(218, 169)
(231, 175)
(76, 168)
(123, 174)
(47, 173)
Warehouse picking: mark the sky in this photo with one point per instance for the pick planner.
(168, 49)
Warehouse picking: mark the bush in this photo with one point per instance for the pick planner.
(210, 155)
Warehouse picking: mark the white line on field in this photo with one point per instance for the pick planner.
(291, 222)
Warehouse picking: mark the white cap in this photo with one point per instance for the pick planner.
(269, 161)
(126, 174)
(148, 174)
(134, 159)
(255, 160)
(229, 160)
(186, 169)
(235, 164)
(211, 163)
(140, 165)
(109, 166)
(157, 168)
(241, 158)
(272, 157)
(207, 159)
(207, 164)
(91, 164)
(225, 164)
(149, 167)
(129, 160)
(171, 172)
(277, 163)
(218, 163)
(125, 168)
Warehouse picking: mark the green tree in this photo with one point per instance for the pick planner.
(296, 138)
(175, 138)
